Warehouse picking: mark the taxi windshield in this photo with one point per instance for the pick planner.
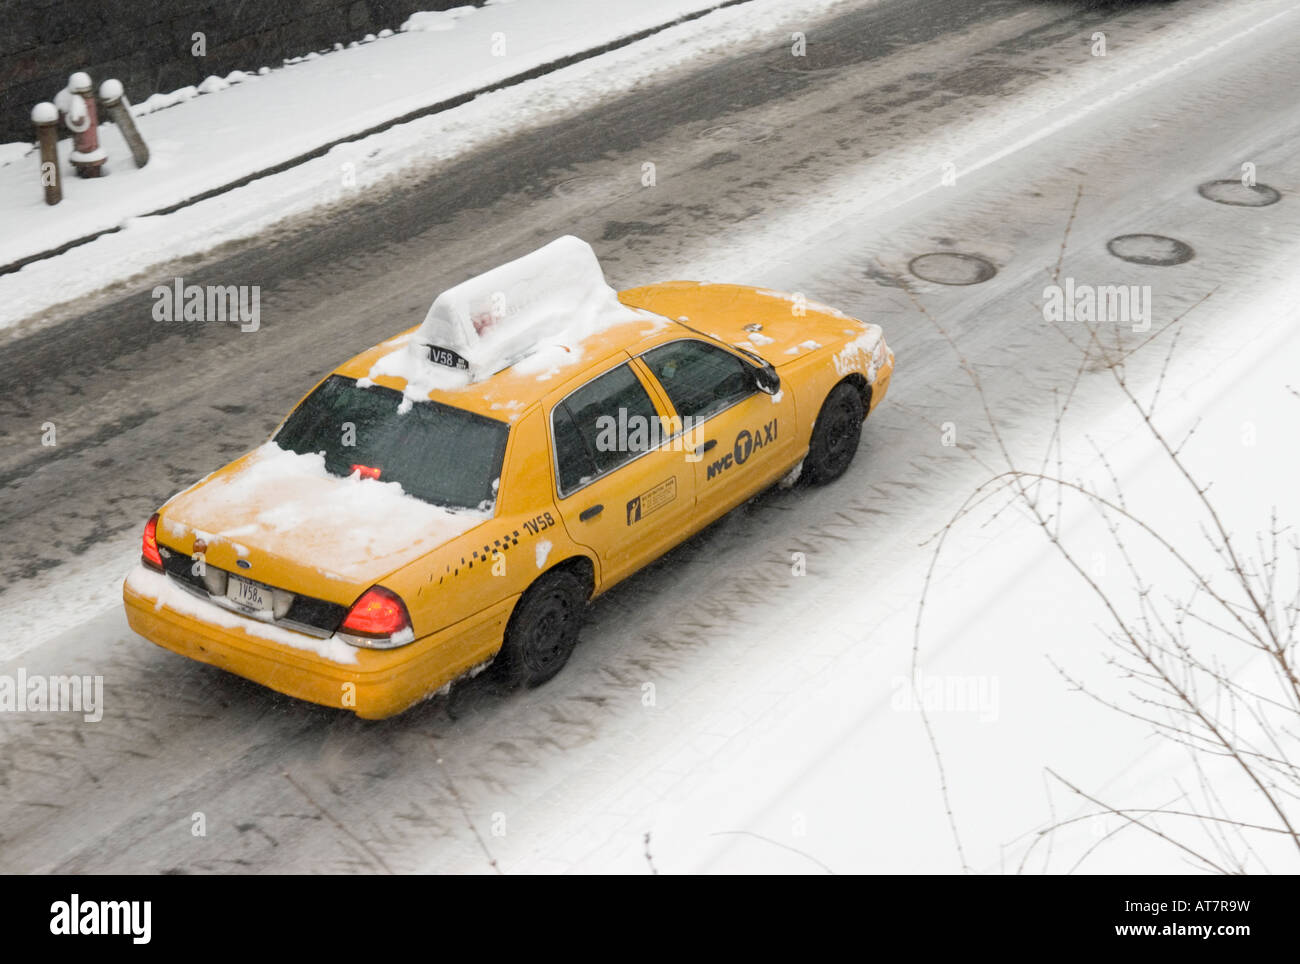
(444, 455)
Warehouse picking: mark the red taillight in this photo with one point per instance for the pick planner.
(149, 548)
(366, 471)
(378, 612)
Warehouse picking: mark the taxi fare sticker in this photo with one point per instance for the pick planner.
(652, 499)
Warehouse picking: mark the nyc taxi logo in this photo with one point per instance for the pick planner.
(746, 444)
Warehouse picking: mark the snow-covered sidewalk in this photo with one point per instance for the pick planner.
(261, 125)
(250, 122)
(831, 768)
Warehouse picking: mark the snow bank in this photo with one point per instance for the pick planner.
(278, 115)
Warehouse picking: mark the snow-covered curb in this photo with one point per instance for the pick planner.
(264, 121)
(356, 168)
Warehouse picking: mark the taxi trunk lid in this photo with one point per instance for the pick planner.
(280, 520)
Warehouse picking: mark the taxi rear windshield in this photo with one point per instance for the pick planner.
(443, 455)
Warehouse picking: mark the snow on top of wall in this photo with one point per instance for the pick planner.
(429, 20)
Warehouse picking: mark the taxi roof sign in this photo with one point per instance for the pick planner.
(494, 319)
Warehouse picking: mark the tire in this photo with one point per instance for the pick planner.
(542, 630)
(835, 435)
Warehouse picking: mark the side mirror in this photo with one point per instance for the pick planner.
(767, 379)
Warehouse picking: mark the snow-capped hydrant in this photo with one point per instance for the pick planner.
(76, 104)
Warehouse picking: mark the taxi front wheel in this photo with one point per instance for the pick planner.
(835, 434)
(542, 630)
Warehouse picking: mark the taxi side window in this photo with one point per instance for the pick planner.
(700, 379)
(594, 427)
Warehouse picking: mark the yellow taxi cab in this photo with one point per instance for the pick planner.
(454, 496)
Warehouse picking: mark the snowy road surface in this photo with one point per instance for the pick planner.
(771, 742)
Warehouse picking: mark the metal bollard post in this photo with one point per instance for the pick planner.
(112, 98)
(46, 118)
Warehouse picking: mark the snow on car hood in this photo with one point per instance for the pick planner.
(278, 507)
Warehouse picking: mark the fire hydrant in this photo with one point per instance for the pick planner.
(76, 104)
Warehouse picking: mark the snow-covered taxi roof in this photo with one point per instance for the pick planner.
(549, 299)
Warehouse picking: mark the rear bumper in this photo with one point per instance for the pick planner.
(377, 684)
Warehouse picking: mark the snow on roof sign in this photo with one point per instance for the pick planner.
(491, 321)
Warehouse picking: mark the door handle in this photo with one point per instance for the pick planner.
(701, 449)
(590, 512)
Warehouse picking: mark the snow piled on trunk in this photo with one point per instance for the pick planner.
(290, 506)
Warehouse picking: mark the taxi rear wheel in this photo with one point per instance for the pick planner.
(836, 434)
(543, 629)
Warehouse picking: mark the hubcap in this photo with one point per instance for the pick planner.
(839, 432)
(546, 641)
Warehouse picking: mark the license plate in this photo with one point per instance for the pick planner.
(249, 595)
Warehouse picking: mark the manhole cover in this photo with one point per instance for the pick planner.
(739, 131)
(591, 187)
(825, 55)
(1238, 194)
(947, 268)
(1150, 249)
